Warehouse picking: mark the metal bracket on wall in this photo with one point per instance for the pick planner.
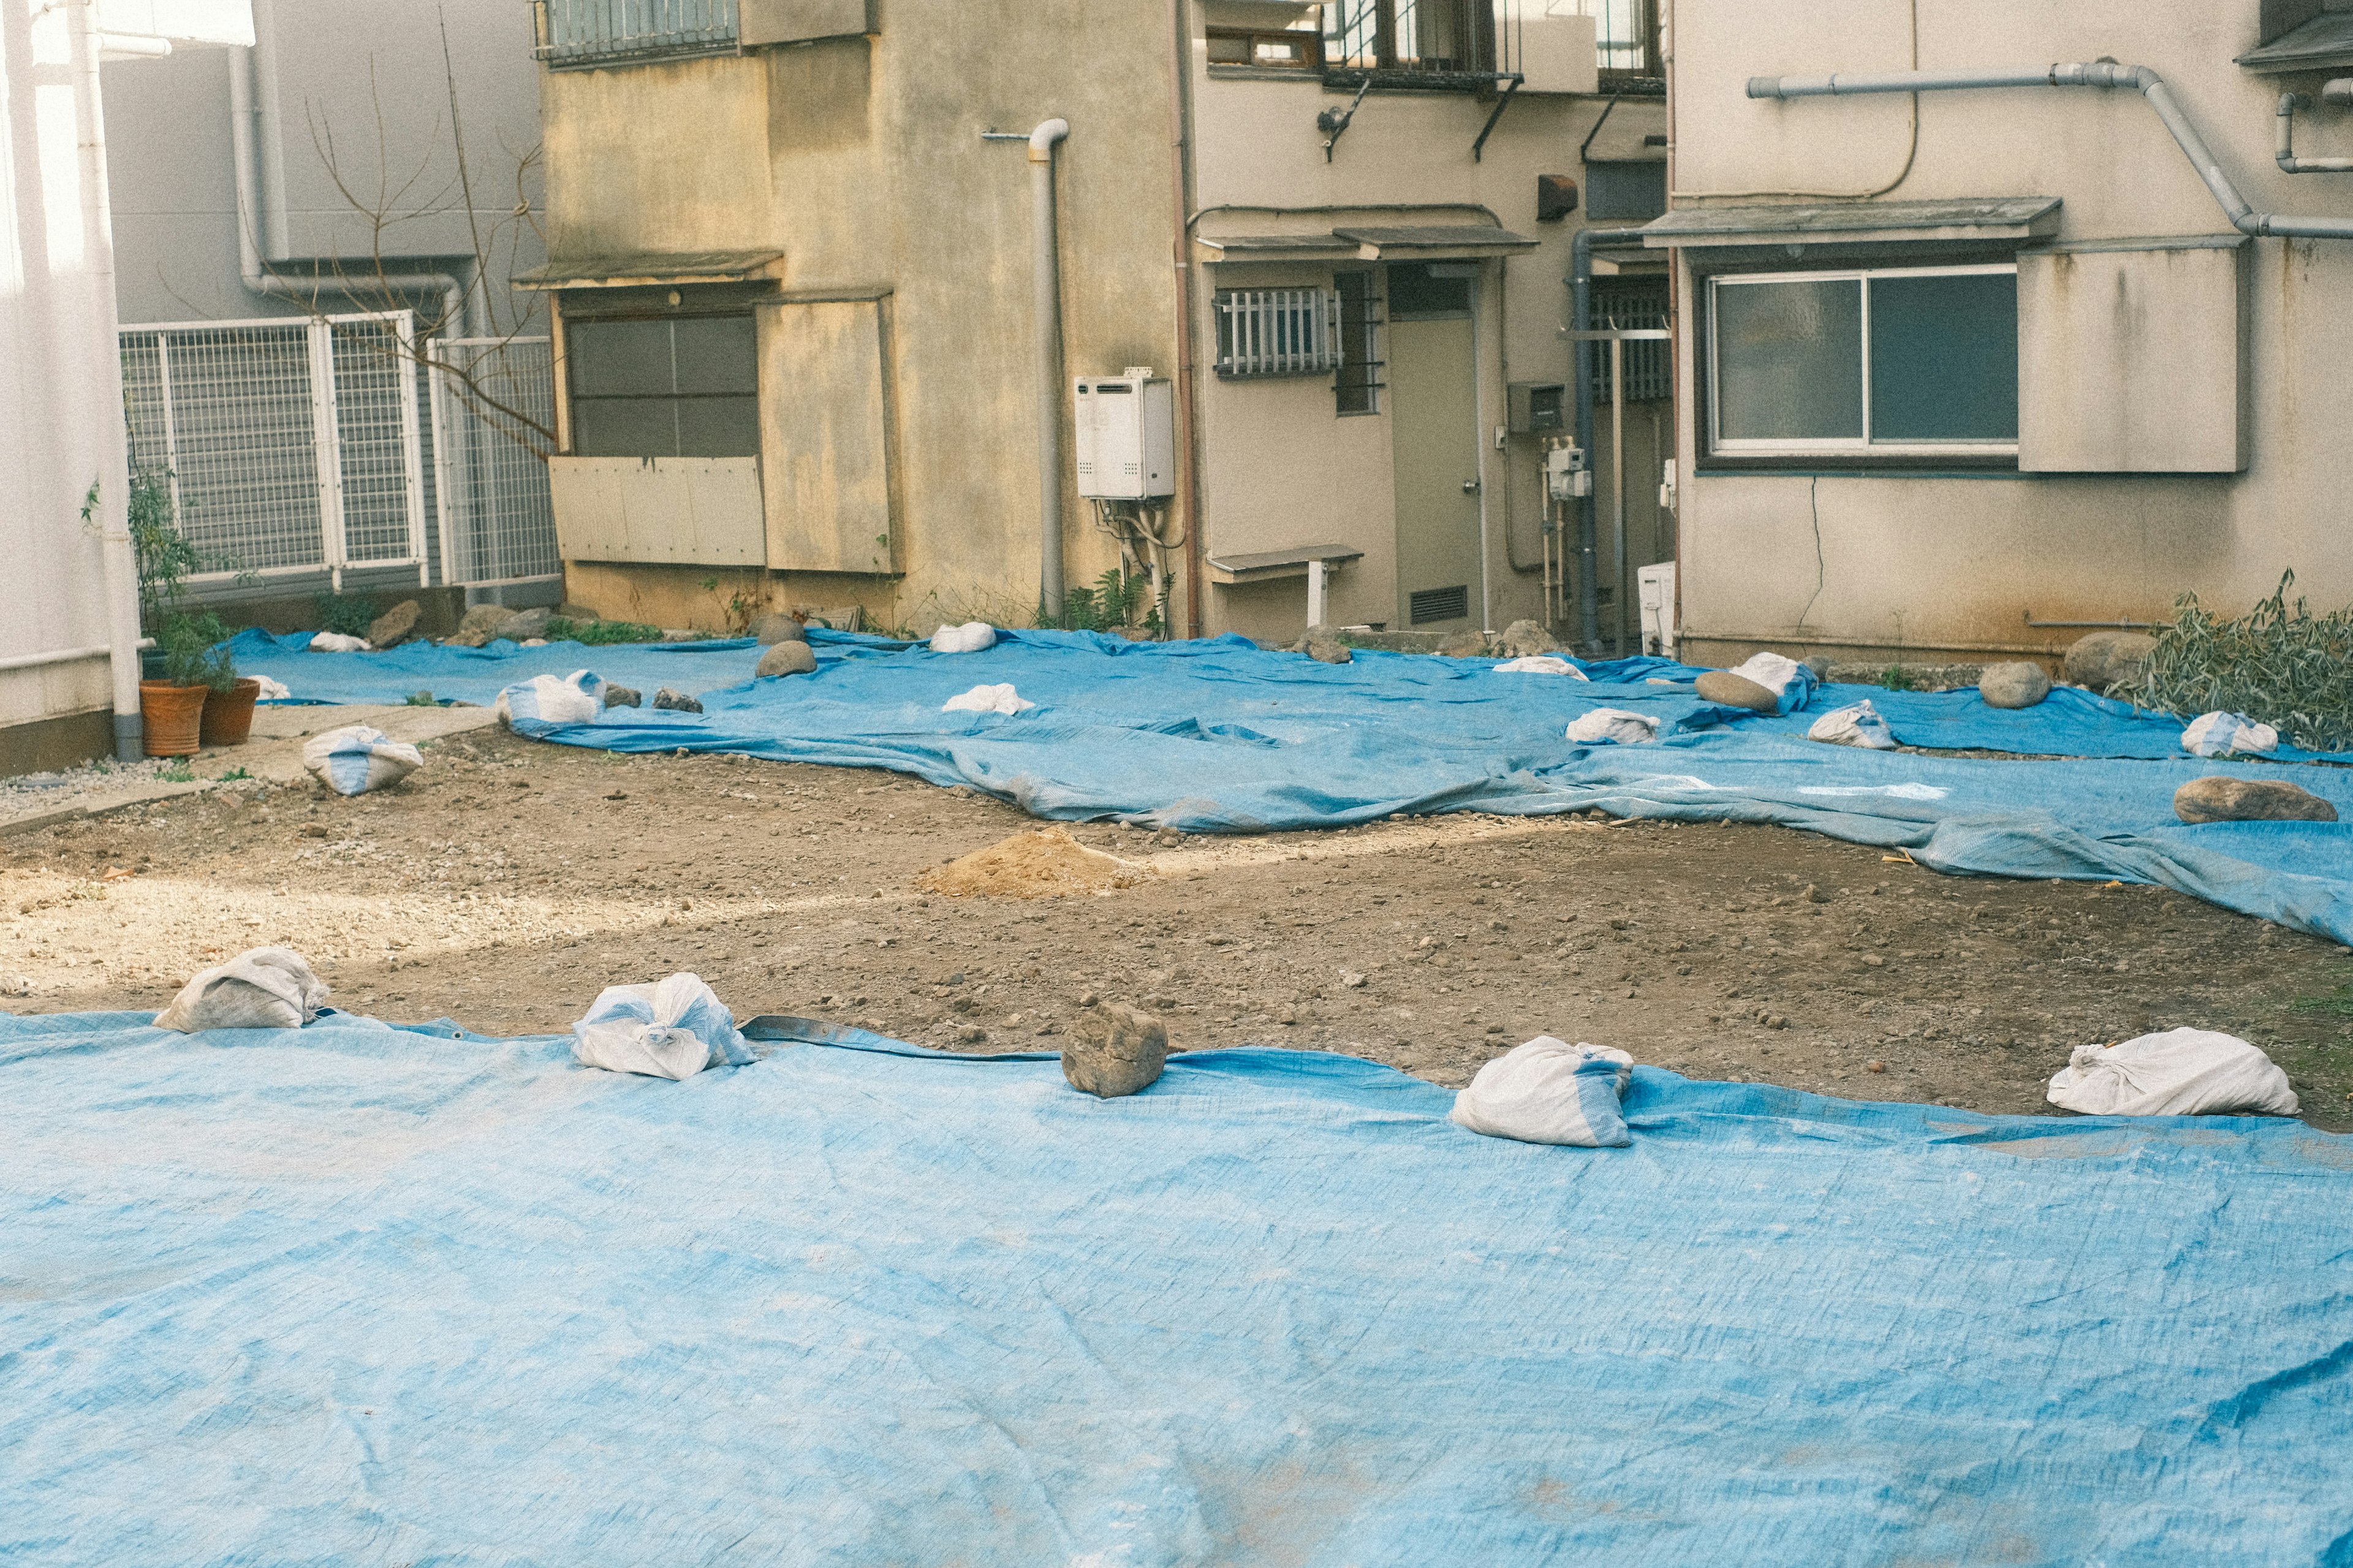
(1334, 123)
(1479, 148)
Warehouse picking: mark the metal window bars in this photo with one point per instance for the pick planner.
(496, 522)
(582, 32)
(1475, 41)
(1650, 366)
(1277, 332)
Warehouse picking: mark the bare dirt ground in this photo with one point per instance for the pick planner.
(507, 881)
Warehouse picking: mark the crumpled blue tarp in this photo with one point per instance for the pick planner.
(356, 1294)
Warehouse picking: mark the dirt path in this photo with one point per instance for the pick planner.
(507, 881)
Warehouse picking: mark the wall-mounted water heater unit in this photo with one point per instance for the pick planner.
(1127, 436)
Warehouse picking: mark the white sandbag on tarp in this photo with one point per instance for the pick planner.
(2223, 735)
(1613, 726)
(1792, 683)
(672, 1029)
(988, 699)
(1540, 664)
(550, 700)
(1549, 1091)
(2182, 1072)
(339, 642)
(357, 758)
(1859, 724)
(970, 638)
(271, 691)
(263, 988)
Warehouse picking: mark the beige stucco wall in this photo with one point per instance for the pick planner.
(1959, 564)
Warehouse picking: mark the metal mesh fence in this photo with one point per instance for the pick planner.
(493, 419)
(376, 442)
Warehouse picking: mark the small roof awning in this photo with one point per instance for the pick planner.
(1271, 565)
(642, 269)
(1469, 241)
(2016, 219)
(2324, 43)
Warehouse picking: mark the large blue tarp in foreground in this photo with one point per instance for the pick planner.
(356, 1294)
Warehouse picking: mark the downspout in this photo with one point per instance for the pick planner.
(119, 564)
(1180, 143)
(2100, 74)
(1046, 283)
(1580, 319)
(2335, 94)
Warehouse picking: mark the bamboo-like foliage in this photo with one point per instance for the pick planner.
(2279, 664)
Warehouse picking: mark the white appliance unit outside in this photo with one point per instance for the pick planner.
(1127, 436)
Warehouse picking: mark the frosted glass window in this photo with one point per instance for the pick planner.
(1790, 360)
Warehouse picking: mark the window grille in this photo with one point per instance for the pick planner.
(1650, 364)
(1277, 332)
(493, 407)
(611, 32)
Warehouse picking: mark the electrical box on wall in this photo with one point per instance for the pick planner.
(1539, 407)
(1127, 436)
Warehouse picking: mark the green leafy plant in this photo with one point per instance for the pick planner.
(601, 634)
(162, 555)
(195, 652)
(178, 772)
(1895, 678)
(235, 775)
(348, 614)
(2278, 664)
(422, 700)
(1113, 601)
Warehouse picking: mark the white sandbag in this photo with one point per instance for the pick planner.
(356, 759)
(1615, 726)
(672, 1029)
(549, 701)
(1549, 1091)
(1541, 664)
(273, 691)
(2182, 1072)
(1858, 725)
(970, 638)
(988, 699)
(338, 642)
(265, 988)
(2222, 734)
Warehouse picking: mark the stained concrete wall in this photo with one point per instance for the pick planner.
(1917, 564)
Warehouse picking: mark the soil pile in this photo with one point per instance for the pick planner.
(1047, 864)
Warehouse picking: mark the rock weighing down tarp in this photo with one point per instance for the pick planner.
(361, 1294)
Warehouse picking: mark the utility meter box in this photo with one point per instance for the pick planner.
(1127, 436)
(1539, 407)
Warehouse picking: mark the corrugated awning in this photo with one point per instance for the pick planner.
(1417, 243)
(1269, 565)
(2324, 43)
(1997, 219)
(642, 269)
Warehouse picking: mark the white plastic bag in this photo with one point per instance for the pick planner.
(265, 988)
(672, 1029)
(338, 642)
(988, 699)
(1541, 664)
(1858, 725)
(1792, 683)
(549, 702)
(356, 759)
(271, 691)
(1617, 726)
(970, 638)
(1549, 1091)
(2221, 734)
(2182, 1072)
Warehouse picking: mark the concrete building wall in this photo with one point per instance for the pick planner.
(1918, 563)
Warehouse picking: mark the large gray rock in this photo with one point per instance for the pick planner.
(624, 697)
(522, 626)
(786, 658)
(2219, 799)
(2018, 685)
(2101, 659)
(778, 626)
(1732, 690)
(395, 625)
(570, 612)
(676, 701)
(1115, 1050)
(478, 626)
(1466, 645)
(1323, 645)
(1525, 639)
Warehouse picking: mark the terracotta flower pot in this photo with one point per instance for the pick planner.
(174, 717)
(229, 715)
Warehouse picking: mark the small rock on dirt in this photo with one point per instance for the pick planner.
(786, 658)
(1721, 686)
(676, 701)
(522, 626)
(779, 627)
(395, 625)
(1323, 646)
(2221, 799)
(2021, 684)
(2101, 659)
(624, 697)
(1114, 1052)
(1525, 639)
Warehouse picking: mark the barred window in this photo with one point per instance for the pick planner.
(1276, 331)
(1357, 388)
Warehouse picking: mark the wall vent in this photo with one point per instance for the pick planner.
(1439, 604)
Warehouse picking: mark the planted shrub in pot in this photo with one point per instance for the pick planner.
(228, 700)
(172, 708)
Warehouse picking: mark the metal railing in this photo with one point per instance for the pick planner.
(496, 521)
(583, 32)
(1277, 332)
(1649, 365)
(1475, 41)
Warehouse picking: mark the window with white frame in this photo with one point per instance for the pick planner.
(1896, 362)
(1276, 331)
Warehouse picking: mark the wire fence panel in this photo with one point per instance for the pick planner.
(494, 404)
(376, 441)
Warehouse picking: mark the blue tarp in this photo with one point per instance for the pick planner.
(358, 1294)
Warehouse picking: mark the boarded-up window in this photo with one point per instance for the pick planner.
(827, 446)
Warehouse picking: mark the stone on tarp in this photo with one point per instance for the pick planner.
(2219, 799)
(479, 625)
(1323, 645)
(2020, 684)
(676, 701)
(1466, 645)
(1722, 686)
(778, 626)
(624, 697)
(1115, 1050)
(1524, 639)
(786, 658)
(522, 626)
(2101, 659)
(839, 617)
(395, 625)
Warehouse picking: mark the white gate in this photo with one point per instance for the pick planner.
(291, 445)
(493, 405)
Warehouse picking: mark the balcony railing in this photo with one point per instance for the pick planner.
(1472, 43)
(580, 33)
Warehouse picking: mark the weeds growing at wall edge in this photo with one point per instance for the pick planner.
(2278, 664)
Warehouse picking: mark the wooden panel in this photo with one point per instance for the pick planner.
(698, 511)
(825, 436)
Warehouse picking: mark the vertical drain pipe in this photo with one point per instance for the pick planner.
(1047, 283)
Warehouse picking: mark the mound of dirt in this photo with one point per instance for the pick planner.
(1047, 864)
